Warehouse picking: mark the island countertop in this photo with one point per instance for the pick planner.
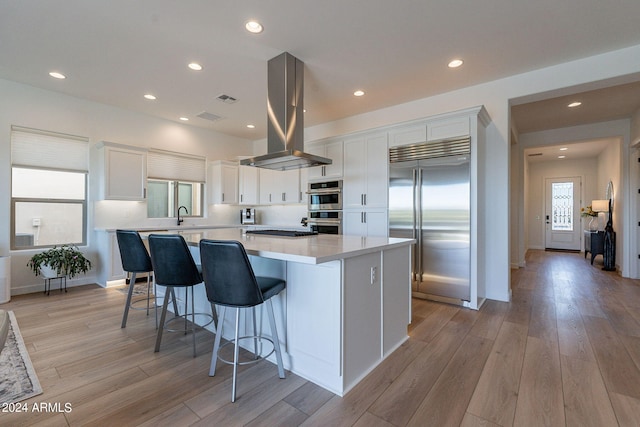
(315, 249)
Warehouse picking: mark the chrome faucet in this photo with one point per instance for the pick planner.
(185, 210)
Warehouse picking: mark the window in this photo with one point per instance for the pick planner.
(174, 180)
(48, 189)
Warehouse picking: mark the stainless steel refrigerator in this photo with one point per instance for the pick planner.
(429, 200)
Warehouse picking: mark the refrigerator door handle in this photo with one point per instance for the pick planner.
(418, 221)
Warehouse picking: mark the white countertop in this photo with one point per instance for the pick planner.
(307, 249)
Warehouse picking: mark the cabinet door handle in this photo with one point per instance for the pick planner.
(284, 197)
(365, 217)
(223, 197)
(364, 196)
(241, 196)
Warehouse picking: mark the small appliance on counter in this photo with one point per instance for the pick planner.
(247, 216)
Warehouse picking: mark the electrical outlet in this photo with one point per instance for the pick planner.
(373, 275)
(35, 222)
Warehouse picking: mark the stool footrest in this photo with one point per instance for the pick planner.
(259, 356)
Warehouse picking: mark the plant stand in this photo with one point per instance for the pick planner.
(47, 283)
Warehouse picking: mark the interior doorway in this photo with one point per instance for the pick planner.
(562, 213)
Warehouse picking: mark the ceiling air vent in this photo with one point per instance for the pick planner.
(226, 99)
(209, 116)
(535, 154)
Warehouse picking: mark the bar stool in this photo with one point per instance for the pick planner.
(135, 259)
(174, 267)
(230, 282)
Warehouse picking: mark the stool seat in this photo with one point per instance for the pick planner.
(231, 283)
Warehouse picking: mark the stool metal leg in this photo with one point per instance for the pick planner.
(132, 282)
(236, 354)
(216, 343)
(276, 340)
(163, 316)
(193, 320)
(255, 334)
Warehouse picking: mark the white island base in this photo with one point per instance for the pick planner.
(337, 320)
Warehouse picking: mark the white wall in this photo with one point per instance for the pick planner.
(41, 109)
(610, 165)
(586, 169)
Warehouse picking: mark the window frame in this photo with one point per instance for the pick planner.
(14, 200)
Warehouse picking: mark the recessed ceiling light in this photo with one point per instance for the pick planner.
(564, 149)
(253, 27)
(195, 66)
(251, 126)
(561, 157)
(574, 104)
(358, 93)
(149, 96)
(455, 63)
(184, 119)
(57, 75)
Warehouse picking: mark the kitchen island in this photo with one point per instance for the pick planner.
(346, 306)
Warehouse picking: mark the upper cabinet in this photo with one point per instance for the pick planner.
(366, 172)
(407, 135)
(223, 183)
(249, 178)
(448, 128)
(123, 172)
(279, 187)
(332, 150)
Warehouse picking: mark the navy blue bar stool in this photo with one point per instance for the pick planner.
(135, 259)
(230, 282)
(174, 267)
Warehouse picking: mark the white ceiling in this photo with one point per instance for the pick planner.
(115, 51)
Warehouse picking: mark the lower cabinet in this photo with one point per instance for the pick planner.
(368, 222)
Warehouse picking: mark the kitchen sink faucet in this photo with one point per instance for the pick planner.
(185, 210)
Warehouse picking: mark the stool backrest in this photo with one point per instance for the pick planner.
(172, 262)
(228, 275)
(133, 253)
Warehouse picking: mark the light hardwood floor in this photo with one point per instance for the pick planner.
(565, 351)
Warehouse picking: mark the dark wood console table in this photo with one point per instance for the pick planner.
(594, 243)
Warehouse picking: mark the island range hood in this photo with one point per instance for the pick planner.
(285, 117)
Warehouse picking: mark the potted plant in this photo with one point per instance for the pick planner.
(589, 212)
(59, 261)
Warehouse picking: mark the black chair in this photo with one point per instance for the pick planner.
(174, 267)
(230, 282)
(135, 259)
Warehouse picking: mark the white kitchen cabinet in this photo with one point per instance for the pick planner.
(223, 183)
(248, 177)
(407, 135)
(448, 128)
(365, 222)
(123, 172)
(366, 172)
(363, 318)
(332, 150)
(279, 187)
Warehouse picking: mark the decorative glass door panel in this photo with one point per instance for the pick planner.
(562, 206)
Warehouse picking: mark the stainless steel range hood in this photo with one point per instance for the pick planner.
(285, 116)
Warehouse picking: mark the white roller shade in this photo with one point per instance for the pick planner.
(176, 166)
(41, 149)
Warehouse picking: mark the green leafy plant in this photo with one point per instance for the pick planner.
(65, 260)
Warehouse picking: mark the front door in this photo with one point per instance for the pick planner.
(562, 213)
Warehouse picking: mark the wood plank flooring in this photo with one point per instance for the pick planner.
(564, 352)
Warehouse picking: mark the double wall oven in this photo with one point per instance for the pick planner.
(324, 202)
